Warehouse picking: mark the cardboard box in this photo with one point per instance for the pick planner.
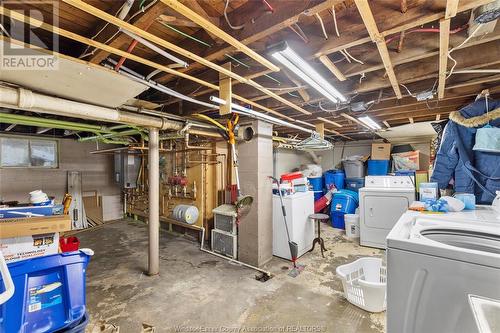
(27, 226)
(26, 247)
(381, 151)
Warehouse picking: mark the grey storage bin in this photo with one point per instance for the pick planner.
(354, 168)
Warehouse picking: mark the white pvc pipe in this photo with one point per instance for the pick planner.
(156, 48)
(154, 202)
(30, 101)
(258, 115)
(477, 71)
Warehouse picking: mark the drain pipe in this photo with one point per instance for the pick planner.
(28, 100)
(154, 202)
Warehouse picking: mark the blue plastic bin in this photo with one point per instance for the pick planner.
(49, 294)
(344, 202)
(335, 177)
(316, 183)
(354, 184)
(79, 327)
(378, 167)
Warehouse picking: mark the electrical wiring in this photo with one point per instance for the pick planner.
(5, 31)
(350, 56)
(335, 21)
(238, 27)
(425, 30)
(408, 90)
(331, 110)
(362, 77)
(322, 25)
(140, 11)
(459, 46)
(345, 56)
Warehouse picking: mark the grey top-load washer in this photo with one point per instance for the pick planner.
(439, 267)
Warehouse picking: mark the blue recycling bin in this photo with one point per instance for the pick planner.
(49, 294)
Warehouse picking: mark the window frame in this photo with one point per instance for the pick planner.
(30, 138)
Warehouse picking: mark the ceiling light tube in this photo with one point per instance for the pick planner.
(284, 54)
(258, 115)
(156, 48)
(370, 122)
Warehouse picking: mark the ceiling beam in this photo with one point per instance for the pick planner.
(332, 68)
(212, 28)
(451, 9)
(371, 26)
(155, 39)
(329, 121)
(444, 40)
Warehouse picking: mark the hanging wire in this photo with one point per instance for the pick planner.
(272, 78)
(322, 25)
(335, 21)
(350, 56)
(459, 46)
(345, 56)
(237, 27)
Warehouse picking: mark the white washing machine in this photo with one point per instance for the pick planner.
(381, 203)
(443, 273)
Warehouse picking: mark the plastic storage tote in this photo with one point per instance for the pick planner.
(354, 184)
(335, 177)
(316, 183)
(49, 293)
(354, 168)
(378, 167)
(343, 202)
(365, 282)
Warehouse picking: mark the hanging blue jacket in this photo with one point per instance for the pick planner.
(473, 171)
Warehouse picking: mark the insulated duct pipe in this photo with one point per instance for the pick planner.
(30, 101)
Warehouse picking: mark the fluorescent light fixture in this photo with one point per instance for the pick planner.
(284, 54)
(369, 122)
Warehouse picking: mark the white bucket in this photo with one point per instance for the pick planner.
(351, 225)
(38, 197)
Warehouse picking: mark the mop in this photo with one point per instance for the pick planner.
(294, 247)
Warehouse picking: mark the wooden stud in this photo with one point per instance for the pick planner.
(177, 49)
(212, 28)
(438, 117)
(451, 9)
(404, 6)
(411, 120)
(332, 68)
(329, 121)
(371, 26)
(386, 124)
(302, 92)
(225, 90)
(32, 21)
(320, 128)
(444, 40)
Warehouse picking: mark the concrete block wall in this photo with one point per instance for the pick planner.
(97, 173)
(255, 233)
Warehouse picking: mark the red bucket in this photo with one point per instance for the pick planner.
(69, 244)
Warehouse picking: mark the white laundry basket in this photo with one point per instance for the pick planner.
(364, 282)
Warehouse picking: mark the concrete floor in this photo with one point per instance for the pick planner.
(197, 291)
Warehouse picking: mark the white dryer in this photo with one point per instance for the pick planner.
(381, 203)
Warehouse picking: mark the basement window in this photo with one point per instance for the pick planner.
(28, 153)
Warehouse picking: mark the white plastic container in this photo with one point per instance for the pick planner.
(351, 225)
(364, 282)
(38, 197)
